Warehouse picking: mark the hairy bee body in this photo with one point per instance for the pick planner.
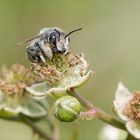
(48, 42)
(38, 53)
(51, 40)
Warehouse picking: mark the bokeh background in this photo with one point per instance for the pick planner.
(110, 40)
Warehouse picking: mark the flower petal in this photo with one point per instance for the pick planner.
(74, 83)
(133, 127)
(111, 133)
(39, 89)
(8, 107)
(122, 97)
(43, 89)
(78, 82)
(2, 99)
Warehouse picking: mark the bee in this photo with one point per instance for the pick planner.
(48, 42)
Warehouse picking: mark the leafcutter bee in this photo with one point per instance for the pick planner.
(48, 42)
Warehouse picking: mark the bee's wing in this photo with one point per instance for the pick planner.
(28, 40)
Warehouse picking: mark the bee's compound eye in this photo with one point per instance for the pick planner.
(53, 37)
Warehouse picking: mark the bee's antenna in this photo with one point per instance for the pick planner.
(57, 31)
(73, 32)
(28, 40)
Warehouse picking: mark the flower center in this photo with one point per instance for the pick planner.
(133, 107)
(58, 69)
(11, 89)
(14, 80)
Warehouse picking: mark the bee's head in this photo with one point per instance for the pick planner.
(60, 40)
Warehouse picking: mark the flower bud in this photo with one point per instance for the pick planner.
(67, 109)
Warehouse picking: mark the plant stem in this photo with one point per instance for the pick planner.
(54, 128)
(31, 123)
(75, 133)
(98, 113)
(35, 128)
(130, 137)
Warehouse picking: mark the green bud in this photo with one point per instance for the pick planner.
(67, 109)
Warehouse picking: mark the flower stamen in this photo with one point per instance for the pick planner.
(133, 107)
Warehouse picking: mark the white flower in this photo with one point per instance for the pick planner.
(127, 107)
(111, 133)
(14, 99)
(61, 74)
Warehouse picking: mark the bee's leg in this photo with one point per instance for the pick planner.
(46, 51)
(40, 54)
(32, 56)
(43, 59)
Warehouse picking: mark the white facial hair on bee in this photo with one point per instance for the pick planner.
(62, 45)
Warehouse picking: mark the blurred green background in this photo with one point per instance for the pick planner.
(110, 40)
